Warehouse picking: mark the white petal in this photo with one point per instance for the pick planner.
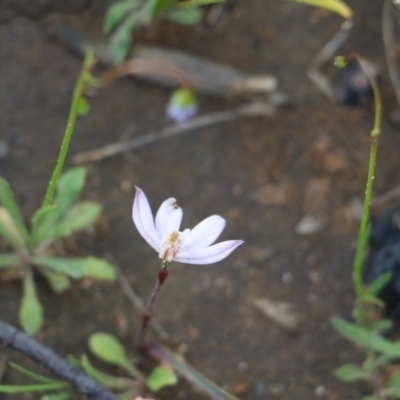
(143, 219)
(168, 218)
(209, 255)
(204, 233)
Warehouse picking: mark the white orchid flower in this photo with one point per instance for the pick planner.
(190, 246)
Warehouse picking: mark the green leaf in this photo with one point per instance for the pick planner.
(366, 338)
(117, 12)
(40, 387)
(378, 284)
(161, 377)
(382, 326)
(31, 311)
(78, 217)
(351, 373)
(9, 260)
(70, 187)
(121, 39)
(9, 203)
(109, 349)
(394, 384)
(185, 16)
(42, 222)
(83, 107)
(335, 6)
(9, 230)
(30, 374)
(78, 268)
(58, 282)
(109, 381)
(198, 3)
(67, 394)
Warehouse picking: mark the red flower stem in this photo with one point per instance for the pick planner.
(148, 312)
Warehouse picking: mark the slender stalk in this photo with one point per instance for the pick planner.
(375, 133)
(148, 312)
(73, 115)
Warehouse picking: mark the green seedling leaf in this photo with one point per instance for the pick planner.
(65, 395)
(70, 187)
(58, 282)
(40, 387)
(351, 373)
(109, 349)
(335, 6)
(394, 384)
(31, 311)
(117, 12)
(80, 216)
(188, 372)
(83, 107)
(382, 326)
(161, 377)
(198, 3)
(366, 338)
(78, 268)
(185, 16)
(340, 62)
(42, 224)
(108, 381)
(8, 201)
(9, 260)
(378, 284)
(9, 230)
(30, 374)
(121, 39)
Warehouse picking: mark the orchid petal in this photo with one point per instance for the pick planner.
(168, 218)
(143, 219)
(204, 233)
(209, 255)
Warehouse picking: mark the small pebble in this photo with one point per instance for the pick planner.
(243, 366)
(320, 391)
(259, 388)
(287, 278)
(4, 149)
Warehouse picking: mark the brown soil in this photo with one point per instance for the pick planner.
(262, 175)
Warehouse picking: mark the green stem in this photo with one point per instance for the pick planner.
(73, 115)
(375, 133)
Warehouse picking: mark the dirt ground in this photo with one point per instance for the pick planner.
(262, 174)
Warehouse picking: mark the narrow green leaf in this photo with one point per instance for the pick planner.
(78, 268)
(382, 326)
(30, 374)
(378, 284)
(31, 311)
(78, 217)
(9, 260)
(117, 12)
(189, 16)
(335, 6)
(109, 381)
(9, 203)
(351, 373)
(58, 282)
(9, 230)
(109, 349)
(40, 387)
(366, 338)
(70, 187)
(65, 395)
(198, 3)
(42, 222)
(394, 383)
(121, 39)
(161, 377)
